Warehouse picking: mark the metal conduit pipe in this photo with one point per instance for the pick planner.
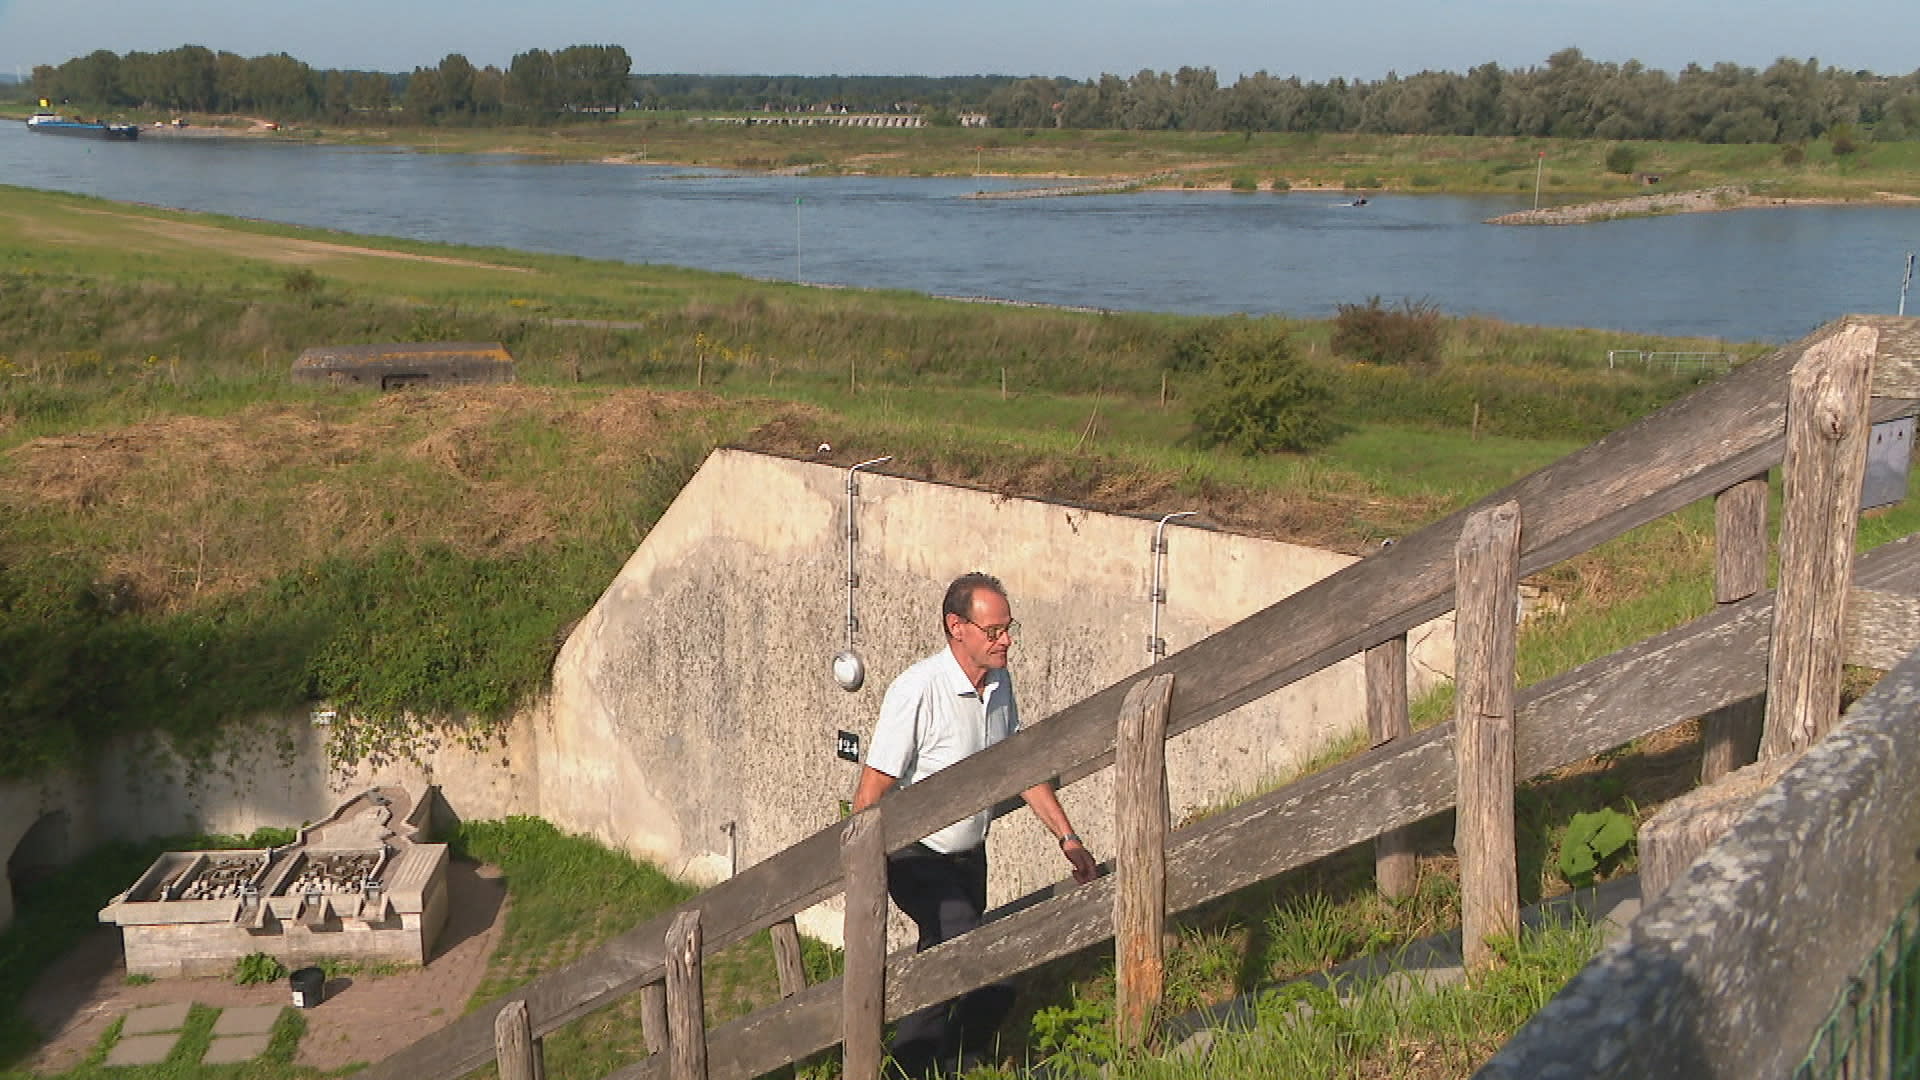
(848, 669)
(1157, 596)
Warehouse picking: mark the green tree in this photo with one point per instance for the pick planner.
(1257, 397)
(1622, 159)
(455, 92)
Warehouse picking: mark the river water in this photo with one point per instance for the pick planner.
(1753, 275)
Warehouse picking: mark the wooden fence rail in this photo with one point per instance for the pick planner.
(1717, 659)
(1715, 438)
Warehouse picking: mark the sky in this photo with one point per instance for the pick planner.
(1076, 38)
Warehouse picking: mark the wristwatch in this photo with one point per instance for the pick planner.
(1073, 836)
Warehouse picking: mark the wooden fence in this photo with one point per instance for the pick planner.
(1716, 440)
(1733, 971)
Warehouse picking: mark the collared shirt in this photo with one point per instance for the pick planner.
(931, 718)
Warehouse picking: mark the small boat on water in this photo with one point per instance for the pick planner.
(47, 123)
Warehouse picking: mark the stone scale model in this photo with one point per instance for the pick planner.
(359, 886)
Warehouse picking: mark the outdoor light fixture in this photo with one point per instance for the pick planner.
(848, 669)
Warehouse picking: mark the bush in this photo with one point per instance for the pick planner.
(1793, 154)
(1622, 159)
(1840, 140)
(257, 968)
(1409, 335)
(1243, 182)
(1280, 183)
(1259, 398)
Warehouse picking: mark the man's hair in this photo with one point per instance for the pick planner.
(959, 599)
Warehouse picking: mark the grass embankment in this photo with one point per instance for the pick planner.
(187, 539)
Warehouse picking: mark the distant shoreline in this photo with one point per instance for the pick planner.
(1702, 201)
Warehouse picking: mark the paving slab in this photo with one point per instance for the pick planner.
(227, 1049)
(148, 1019)
(142, 1049)
(247, 1020)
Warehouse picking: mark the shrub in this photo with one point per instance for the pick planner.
(1793, 154)
(1192, 352)
(1622, 159)
(1409, 335)
(1243, 182)
(1841, 140)
(1258, 397)
(1279, 183)
(257, 968)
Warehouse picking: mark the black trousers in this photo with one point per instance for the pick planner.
(945, 896)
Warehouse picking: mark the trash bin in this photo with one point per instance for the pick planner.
(309, 985)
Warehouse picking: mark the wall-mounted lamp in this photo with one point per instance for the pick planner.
(848, 669)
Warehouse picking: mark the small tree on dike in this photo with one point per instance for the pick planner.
(1257, 397)
(1409, 335)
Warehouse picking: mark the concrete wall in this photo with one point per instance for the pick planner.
(697, 694)
(696, 697)
(280, 776)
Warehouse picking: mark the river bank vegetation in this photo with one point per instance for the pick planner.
(1569, 96)
(1571, 128)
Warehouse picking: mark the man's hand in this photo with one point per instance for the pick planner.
(1084, 868)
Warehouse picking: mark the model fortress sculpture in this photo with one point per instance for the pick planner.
(356, 886)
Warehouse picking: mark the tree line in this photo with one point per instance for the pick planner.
(1570, 96)
(578, 78)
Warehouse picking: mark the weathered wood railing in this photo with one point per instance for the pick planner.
(1715, 439)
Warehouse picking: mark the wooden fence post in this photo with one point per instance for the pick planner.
(787, 959)
(653, 1017)
(1486, 592)
(686, 1000)
(1826, 459)
(1394, 870)
(514, 1047)
(1140, 855)
(863, 1009)
(1731, 735)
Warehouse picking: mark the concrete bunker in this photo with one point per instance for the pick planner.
(405, 366)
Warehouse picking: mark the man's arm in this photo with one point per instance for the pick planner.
(1046, 806)
(873, 784)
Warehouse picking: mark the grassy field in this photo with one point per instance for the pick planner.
(169, 500)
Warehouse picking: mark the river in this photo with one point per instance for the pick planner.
(1750, 275)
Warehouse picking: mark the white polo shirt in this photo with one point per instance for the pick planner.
(932, 717)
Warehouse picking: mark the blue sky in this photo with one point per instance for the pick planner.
(1078, 38)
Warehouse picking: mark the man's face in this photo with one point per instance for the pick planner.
(972, 639)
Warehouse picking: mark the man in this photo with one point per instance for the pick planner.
(944, 708)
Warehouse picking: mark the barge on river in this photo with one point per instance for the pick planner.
(47, 123)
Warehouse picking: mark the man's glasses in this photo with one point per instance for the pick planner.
(995, 633)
